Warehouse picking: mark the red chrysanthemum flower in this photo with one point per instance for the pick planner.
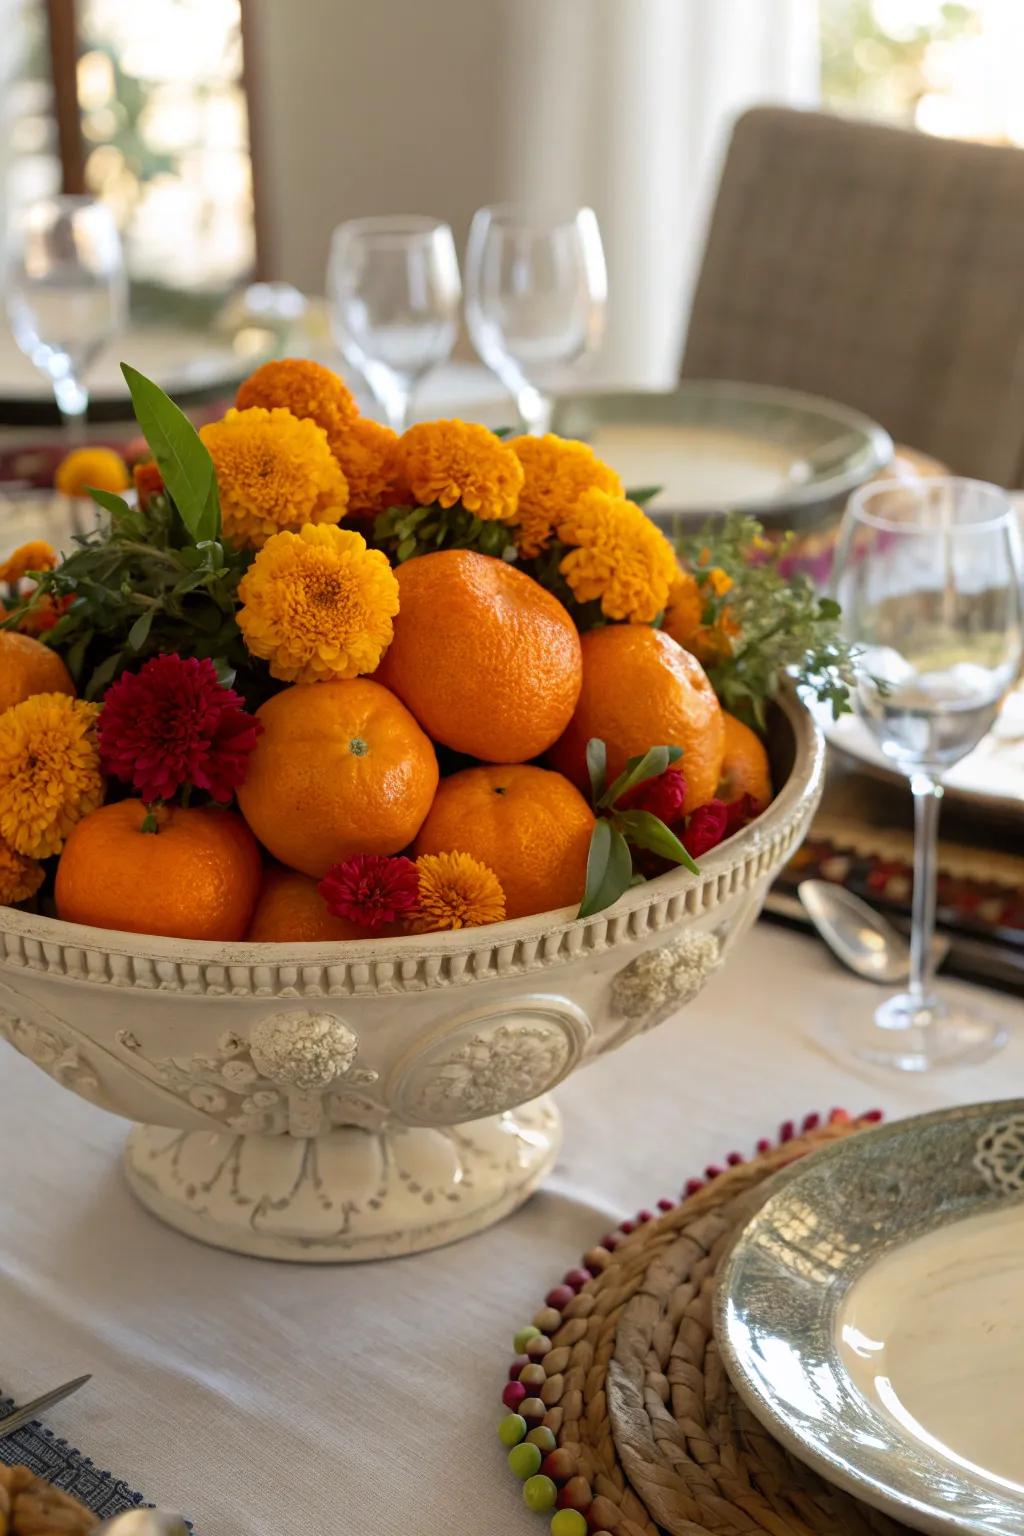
(371, 889)
(663, 796)
(706, 828)
(173, 723)
(739, 812)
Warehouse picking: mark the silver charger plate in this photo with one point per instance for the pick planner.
(714, 446)
(871, 1315)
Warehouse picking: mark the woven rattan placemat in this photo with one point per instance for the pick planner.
(650, 1435)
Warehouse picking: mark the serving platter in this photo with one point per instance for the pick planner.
(713, 446)
(871, 1315)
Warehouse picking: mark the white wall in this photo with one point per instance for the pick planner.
(439, 106)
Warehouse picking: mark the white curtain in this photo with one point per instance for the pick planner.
(626, 105)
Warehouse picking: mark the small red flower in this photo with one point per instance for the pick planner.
(173, 723)
(706, 828)
(371, 889)
(663, 796)
(739, 812)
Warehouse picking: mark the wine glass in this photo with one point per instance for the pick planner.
(394, 291)
(66, 294)
(929, 573)
(536, 290)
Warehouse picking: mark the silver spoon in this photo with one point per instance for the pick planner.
(858, 935)
(143, 1522)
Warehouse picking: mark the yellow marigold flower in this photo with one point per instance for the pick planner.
(450, 461)
(36, 556)
(20, 877)
(274, 471)
(305, 389)
(49, 771)
(620, 558)
(558, 471)
(318, 604)
(101, 468)
(456, 891)
(368, 455)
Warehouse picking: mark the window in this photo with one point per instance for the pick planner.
(948, 68)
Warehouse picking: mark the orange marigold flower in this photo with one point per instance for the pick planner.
(368, 455)
(20, 877)
(49, 771)
(558, 470)
(44, 613)
(456, 891)
(148, 481)
(458, 461)
(684, 614)
(620, 558)
(35, 556)
(274, 471)
(100, 468)
(306, 389)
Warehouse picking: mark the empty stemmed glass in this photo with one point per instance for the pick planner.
(66, 294)
(929, 576)
(536, 289)
(394, 291)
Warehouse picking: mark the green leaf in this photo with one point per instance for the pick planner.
(828, 608)
(406, 548)
(643, 494)
(139, 632)
(181, 456)
(645, 830)
(648, 766)
(597, 767)
(609, 869)
(103, 675)
(115, 505)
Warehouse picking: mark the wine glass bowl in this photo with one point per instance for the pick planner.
(928, 575)
(536, 290)
(394, 290)
(66, 293)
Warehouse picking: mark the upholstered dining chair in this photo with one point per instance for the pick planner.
(879, 267)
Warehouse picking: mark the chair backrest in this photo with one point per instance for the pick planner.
(879, 267)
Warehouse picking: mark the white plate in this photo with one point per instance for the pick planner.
(871, 1314)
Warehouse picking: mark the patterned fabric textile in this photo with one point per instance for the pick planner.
(43, 1453)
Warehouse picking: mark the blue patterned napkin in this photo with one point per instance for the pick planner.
(38, 1448)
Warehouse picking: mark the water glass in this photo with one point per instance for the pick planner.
(394, 291)
(536, 293)
(66, 294)
(929, 575)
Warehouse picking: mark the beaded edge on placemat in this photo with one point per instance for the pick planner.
(48, 1456)
(548, 1473)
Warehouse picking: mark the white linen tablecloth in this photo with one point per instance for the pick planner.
(275, 1400)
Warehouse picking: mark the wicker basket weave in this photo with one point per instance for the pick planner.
(653, 1435)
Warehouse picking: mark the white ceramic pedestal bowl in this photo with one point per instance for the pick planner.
(350, 1101)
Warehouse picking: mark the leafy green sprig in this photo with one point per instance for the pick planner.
(784, 626)
(618, 832)
(402, 532)
(153, 579)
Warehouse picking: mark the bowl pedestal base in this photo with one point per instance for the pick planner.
(348, 1195)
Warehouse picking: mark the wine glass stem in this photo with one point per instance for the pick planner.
(397, 405)
(535, 410)
(927, 794)
(73, 403)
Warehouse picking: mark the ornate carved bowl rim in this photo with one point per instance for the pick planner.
(375, 967)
